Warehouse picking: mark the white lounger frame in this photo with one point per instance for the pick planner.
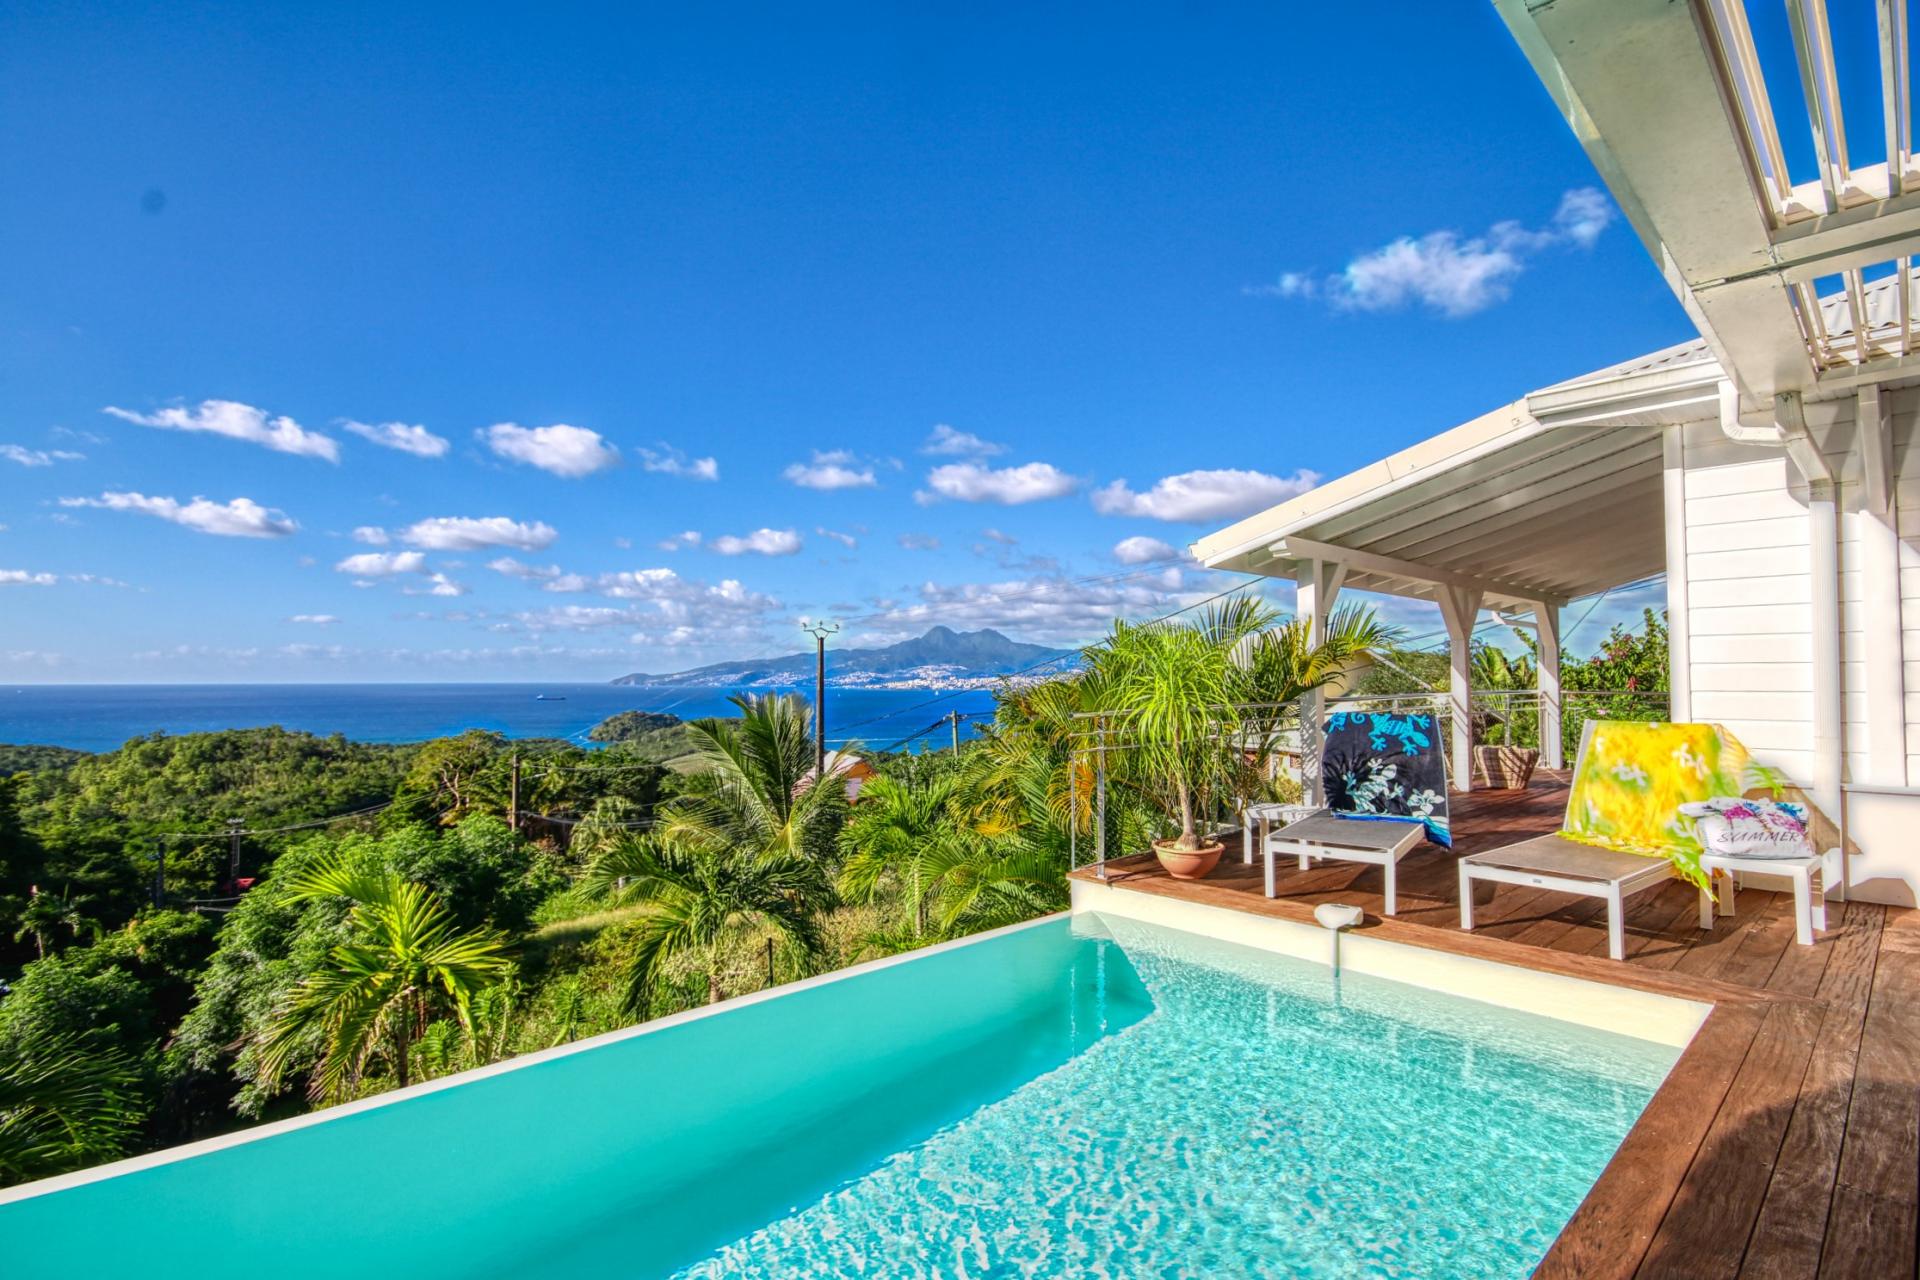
(1409, 836)
(1614, 892)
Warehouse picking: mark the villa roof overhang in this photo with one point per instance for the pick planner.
(1518, 510)
(1555, 496)
(1672, 103)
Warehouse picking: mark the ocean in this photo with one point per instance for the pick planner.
(99, 717)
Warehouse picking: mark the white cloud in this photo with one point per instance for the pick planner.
(512, 568)
(1142, 550)
(668, 461)
(680, 541)
(1447, 272)
(946, 442)
(239, 421)
(372, 535)
(1010, 486)
(439, 584)
(550, 576)
(416, 440)
(761, 542)
(38, 457)
(26, 578)
(1583, 214)
(314, 619)
(1203, 495)
(666, 610)
(560, 449)
(1048, 608)
(474, 533)
(1291, 284)
(240, 518)
(836, 469)
(918, 542)
(846, 540)
(1003, 538)
(383, 564)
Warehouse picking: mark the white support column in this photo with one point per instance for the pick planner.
(1315, 586)
(1461, 609)
(1877, 525)
(1547, 628)
(1679, 621)
(1823, 539)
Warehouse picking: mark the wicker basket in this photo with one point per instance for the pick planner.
(1505, 768)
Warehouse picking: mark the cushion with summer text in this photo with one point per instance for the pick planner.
(1751, 828)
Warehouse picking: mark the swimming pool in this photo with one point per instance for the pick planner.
(1084, 1096)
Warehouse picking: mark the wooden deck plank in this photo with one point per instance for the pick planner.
(1704, 1232)
(1610, 1232)
(1876, 1201)
(1791, 1231)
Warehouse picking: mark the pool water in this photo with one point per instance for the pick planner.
(1095, 1097)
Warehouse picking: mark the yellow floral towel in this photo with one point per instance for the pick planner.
(1632, 778)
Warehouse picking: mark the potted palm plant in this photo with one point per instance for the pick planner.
(1170, 690)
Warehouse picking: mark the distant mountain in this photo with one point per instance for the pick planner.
(941, 659)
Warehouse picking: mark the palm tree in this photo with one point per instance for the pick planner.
(406, 963)
(699, 899)
(901, 831)
(43, 915)
(1189, 699)
(64, 1104)
(1173, 692)
(752, 790)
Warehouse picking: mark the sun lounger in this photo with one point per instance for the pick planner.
(1625, 800)
(1385, 779)
(1567, 866)
(1380, 841)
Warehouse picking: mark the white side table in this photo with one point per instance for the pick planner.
(1809, 907)
(1268, 815)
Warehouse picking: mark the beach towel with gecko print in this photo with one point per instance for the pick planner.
(1386, 767)
(1632, 778)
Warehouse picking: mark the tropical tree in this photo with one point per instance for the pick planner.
(406, 962)
(907, 832)
(700, 898)
(43, 916)
(65, 1103)
(1173, 693)
(753, 789)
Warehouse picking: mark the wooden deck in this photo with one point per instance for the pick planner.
(1786, 1141)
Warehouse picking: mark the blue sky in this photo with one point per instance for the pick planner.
(477, 344)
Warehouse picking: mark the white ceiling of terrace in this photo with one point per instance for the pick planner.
(1550, 513)
(1672, 102)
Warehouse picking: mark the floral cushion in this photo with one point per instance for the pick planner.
(1750, 828)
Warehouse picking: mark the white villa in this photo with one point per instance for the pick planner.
(1768, 468)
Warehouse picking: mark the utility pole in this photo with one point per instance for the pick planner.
(236, 827)
(820, 631)
(513, 793)
(954, 718)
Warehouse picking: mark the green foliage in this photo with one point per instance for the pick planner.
(700, 897)
(648, 735)
(1634, 661)
(406, 961)
(33, 757)
(752, 791)
(65, 1103)
(100, 820)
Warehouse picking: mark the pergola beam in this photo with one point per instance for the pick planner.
(1296, 548)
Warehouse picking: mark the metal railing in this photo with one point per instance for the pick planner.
(1501, 717)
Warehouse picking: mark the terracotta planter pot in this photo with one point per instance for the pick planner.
(1505, 768)
(1187, 864)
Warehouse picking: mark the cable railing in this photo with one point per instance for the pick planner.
(1268, 736)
